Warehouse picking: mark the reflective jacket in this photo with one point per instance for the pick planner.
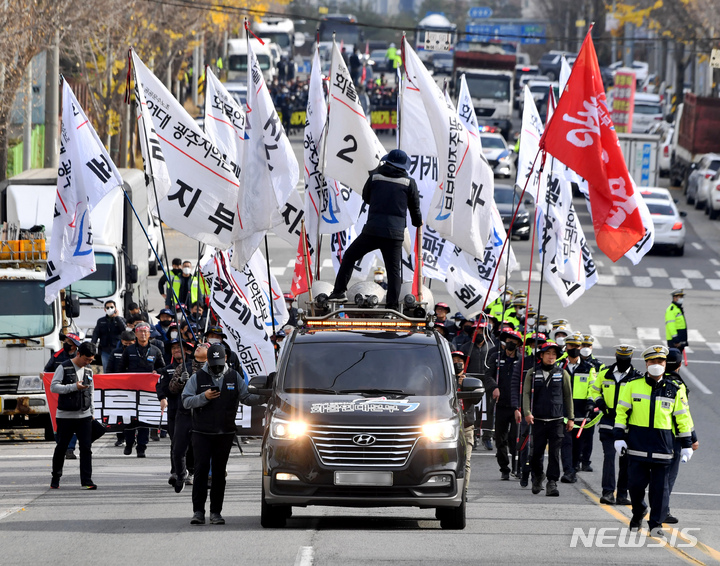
(674, 376)
(583, 376)
(605, 391)
(647, 413)
(675, 325)
(196, 285)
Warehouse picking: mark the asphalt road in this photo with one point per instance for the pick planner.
(136, 517)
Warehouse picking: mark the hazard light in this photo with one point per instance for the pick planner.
(355, 324)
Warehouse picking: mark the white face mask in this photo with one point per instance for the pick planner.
(560, 340)
(520, 311)
(110, 311)
(378, 278)
(214, 340)
(585, 351)
(679, 301)
(173, 335)
(656, 370)
(531, 321)
(544, 329)
(187, 270)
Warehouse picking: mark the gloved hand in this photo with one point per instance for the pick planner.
(620, 447)
(686, 454)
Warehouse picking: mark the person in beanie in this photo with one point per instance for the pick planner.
(213, 394)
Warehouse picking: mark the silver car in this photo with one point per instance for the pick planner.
(700, 172)
(669, 225)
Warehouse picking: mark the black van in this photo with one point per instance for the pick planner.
(364, 412)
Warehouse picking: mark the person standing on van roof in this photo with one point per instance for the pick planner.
(390, 193)
(107, 331)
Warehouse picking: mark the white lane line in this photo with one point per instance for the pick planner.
(601, 331)
(634, 342)
(278, 271)
(700, 494)
(535, 276)
(692, 273)
(715, 347)
(647, 333)
(714, 284)
(695, 336)
(9, 512)
(607, 280)
(620, 270)
(697, 246)
(691, 376)
(327, 262)
(656, 272)
(689, 350)
(601, 263)
(714, 261)
(291, 263)
(639, 281)
(305, 556)
(680, 283)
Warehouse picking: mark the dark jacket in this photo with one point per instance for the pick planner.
(141, 359)
(56, 360)
(107, 332)
(501, 369)
(390, 193)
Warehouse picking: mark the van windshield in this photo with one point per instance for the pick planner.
(239, 62)
(489, 86)
(102, 282)
(413, 369)
(23, 312)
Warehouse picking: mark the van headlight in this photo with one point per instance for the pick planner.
(30, 383)
(287, 430)
(441, 431)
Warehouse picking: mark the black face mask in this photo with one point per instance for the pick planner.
(177, 270)
(622, 364)
(67, 348)
(510, 346)
(458, 367)
(479, 340)
(469, 330)
(216, 370)
(573, 352)
(165, 323)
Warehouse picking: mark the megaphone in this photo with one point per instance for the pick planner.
(366, 294)
(411, 306)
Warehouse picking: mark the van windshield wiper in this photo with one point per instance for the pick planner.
(86, 295)
(310, 390)
(18, 337)
(376, 391)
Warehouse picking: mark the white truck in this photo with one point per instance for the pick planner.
(238, 60)
(280, 31)
(29, 329)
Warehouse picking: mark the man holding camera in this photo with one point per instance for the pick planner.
(213, 394)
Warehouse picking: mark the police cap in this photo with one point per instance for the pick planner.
(624, 350)
(655, 352)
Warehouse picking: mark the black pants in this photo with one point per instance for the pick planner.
(567, 452)
(523, 450)
(392, 256)
(143, 435)
(643, 474)
(582, 447)
(181, 449)
(550, 434)
(65, 430)
(505, 436)
(608, 473)
(215, 447)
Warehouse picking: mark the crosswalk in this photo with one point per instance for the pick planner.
(645, 336)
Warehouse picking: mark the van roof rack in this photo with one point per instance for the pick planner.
(357, 318)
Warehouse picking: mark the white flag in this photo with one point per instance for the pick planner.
(352, 148)
(85, 175)
(255, 287)
(466, 109)
(250, 340)
(461, 208)
(201, 200)
(224, 119)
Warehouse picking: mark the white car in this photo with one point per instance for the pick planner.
(641, 68)
(656, 193)
(539, 90)
(665, 131)
(712, 198)
(702, 171)
(499, 156)
(669, 225)
(647, 111)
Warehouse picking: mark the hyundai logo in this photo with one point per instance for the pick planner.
(364, 440)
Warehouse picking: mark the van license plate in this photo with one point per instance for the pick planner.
(363, 478)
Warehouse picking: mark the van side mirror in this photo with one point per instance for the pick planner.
(471, 390)
(72, 305)
(132, 274)
(683, 214)
(258, 386)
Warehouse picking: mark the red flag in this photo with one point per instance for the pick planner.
(417, 276)
(302, 272)
(582, 136)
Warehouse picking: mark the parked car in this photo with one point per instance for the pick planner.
(641, 68)
(657, 193)
(703, 170)
(507, 199)
(647, 111)
(669, 225)
(539, 90)
(442, 63)
(378, 61)
(551, 62)
(522, 71)
(500, 157)
(665, 131)
(712, 201)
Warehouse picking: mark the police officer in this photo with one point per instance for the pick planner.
(141, 357)
(647, 410)
(604, 395)
(213, 394)
(559, 334)
(73, 383)
(546, 402)
(107, 331)
(390, 193)
(672, 366)
(502, 306)
(70, 345)
(500, 367)
(586, 349)
(583, 377)
(675, 323)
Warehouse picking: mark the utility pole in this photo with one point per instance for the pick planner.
(613, 42)
(195, 73)
(27, 126)
(52, 103)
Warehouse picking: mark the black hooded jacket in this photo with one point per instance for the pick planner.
(390, 193)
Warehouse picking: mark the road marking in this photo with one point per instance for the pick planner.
(535, 276)
(699, 384)
(642, 281)
(695, 336)
(656, 272)
(327, 262)
(620, 270)
(291, 263)
(601, 263)
(9, 512)
(715, 347)
(647, 333)
(714, 284)
(700, 494)
(625, 521)
(607, 280)
(692, 273)
(697, 246)
(305, 556)
(680, 283)
(601, 331)
(278, 271)
(714, 261)
(634, 342)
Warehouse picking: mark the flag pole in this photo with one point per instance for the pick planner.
(270, 291)
(306, 260)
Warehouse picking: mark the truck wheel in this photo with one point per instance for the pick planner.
(452, 518)
(680, 250)
(273, 516)
(153, 267)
